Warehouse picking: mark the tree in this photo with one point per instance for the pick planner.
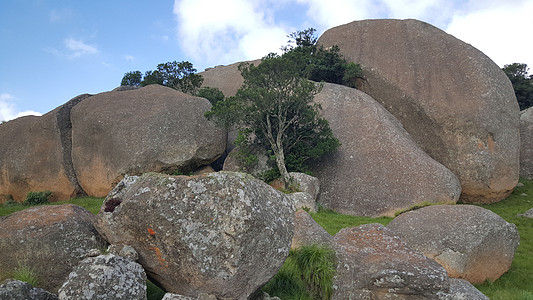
(317, 63)
(274, 108)
(132, 78)
(212, 94)
(522, 83)
(177, 75)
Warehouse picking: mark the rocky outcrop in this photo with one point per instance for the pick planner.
(469, 241)
(378, 169)
(228, 78)
(454, 101)
(308, 232)
(49, 239)
(105, 277)
(31, 158)
(303, 200)
(151, 129)
(18, 290)
(87, 145)
(224, 233)
(526, 143)
(373, 263)
(306, 183)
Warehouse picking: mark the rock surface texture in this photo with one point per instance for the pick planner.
(469, 241)
(224, 233)
(526, 143)
(105, 277)
(150, 129)
(228, 78)
(18, 290)
(375, 264)
(308, 232)
(379, 169)
(49, 239)
(461, 289)
(457, 104)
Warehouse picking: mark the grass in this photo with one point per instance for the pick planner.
(23, 273)
(92, 204)
(334, 222)
(306, 274)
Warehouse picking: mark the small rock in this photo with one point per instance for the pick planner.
(170, 296)
(105, 277)
(124, 251)
(523, 194)
(17, 290)
(520, 184)
(303, 200)
(306, 183)
(527, 214)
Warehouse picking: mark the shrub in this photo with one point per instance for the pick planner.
(37, 198)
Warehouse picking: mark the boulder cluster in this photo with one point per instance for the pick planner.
(434, 121)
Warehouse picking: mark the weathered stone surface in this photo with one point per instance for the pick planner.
(31, 159)
(18, 290)
(170, 296)
(375, 264)
(461, 289)
(457, 104)
(527, 214)
(124, 251)
(303, 200)
(150, 129)
(228, 78)
(469, 241)
(49, 239)
(306, 183)
(308, 232)
(222, 233)
(105, 277)
(526, 143)
(378, 169)
(234, 161)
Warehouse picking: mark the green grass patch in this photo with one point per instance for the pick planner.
(334, 222)
(517, 283)
(306, 274)
(23, 273)
(92, 204)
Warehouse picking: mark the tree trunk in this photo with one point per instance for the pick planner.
(280, 161)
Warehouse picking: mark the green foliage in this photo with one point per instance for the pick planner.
(132, 78)
(333, 222)
(276, 107)
(522, 83)
(153, 292)
(24, 273)
(319, 64)
(306, 274)
(177, 75)
(318, 267)
(214, 95)
(37, 198)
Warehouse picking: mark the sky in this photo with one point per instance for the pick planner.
(54, 50)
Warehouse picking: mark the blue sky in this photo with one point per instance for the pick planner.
(54, 50)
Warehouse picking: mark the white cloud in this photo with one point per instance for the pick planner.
(497, 28)
(78, 48)
(8, 110)
(220, 32)
(129, 57)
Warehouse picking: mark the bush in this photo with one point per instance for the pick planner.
(214, 95)
(26, 274)
(37, 198)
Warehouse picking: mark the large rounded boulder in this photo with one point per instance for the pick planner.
(455, 102)
(224, 233)
(35, 155)
(526, 146)
(469, 241)
(150, 129)
(51, 240)
(379, 169)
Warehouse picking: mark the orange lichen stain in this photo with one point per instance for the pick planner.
(490, 143)
(480, 145)
(162, 262)
(151, 231)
